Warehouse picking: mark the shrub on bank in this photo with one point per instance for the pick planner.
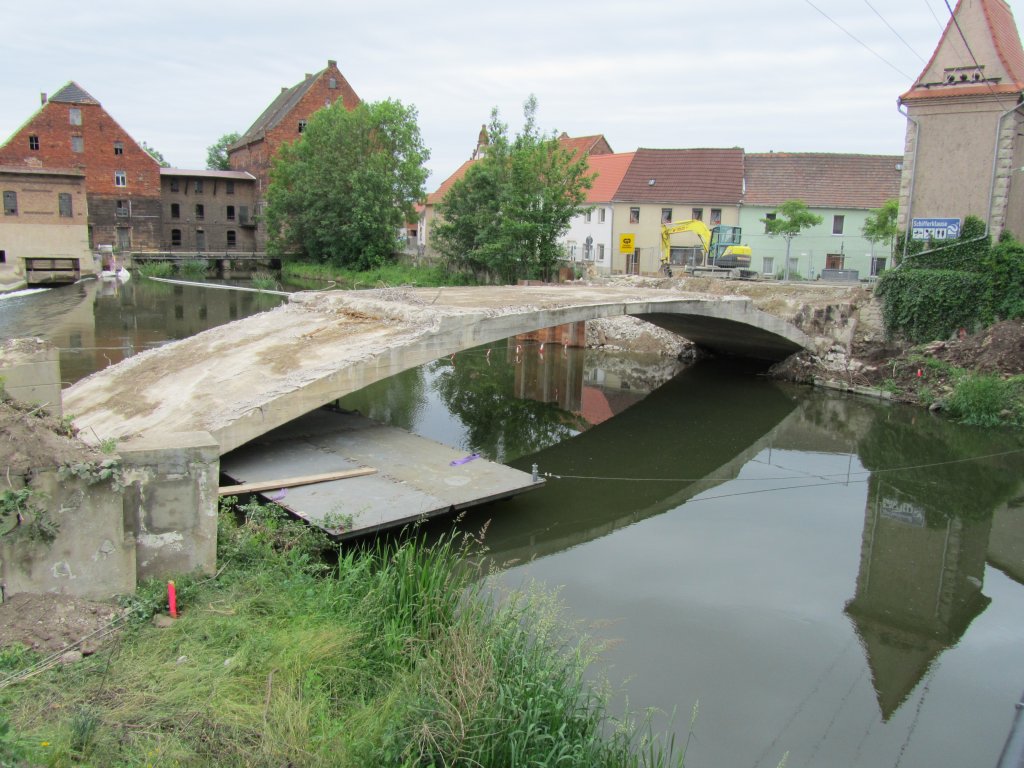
(384, 276)
(393, 656)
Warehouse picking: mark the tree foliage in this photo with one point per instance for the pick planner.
(342, 191)
(155, 154)
(504, 218)
(880, 225)
(791, 218)
(217, 153)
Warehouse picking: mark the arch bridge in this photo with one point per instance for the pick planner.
(238, 381)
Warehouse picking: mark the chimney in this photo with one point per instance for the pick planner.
(332, 63)
(284, 88)
(42, 98)
(308, 75)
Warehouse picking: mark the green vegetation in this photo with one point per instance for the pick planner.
(22, 517)
(393, 656)
(264, 281)
(880, 225)
(155, 269)
(987, 400)
(791, 218)
(343, 190)
(217, 153)
(382, 276)
(156, 154)
(969, 285)
(503, 219)
(193, 268)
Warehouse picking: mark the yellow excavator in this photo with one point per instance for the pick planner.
(722, 246)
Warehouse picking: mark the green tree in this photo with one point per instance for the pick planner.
(880, 225)
(342, 191)
(155, 154)
(791, 218)
(217, 153)
(504, 218)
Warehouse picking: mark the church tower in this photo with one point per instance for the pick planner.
(965, 118)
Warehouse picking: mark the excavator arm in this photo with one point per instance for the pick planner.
(690, 225)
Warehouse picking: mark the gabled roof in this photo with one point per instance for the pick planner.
(994, 43)
(684, 175)
(73, 93)
(583, 143)
(280, 107)
(822, 180)
(610, 170)
(586, 145)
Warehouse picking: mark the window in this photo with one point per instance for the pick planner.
(332, 83)
(586, 216)
(118, 148)
(877, 266)
(232, 241)
(768, 266)
(837, 224)
(175, 211)
(634, 215)
(200, 211)
(33, 143)
(122, 209)
(229, 187)
(75, 116)
(302, 126)
(230, 213)
(600, 215)
(600, 251)
(64, 204)
(120, 178)
(697, 213)
(175, 237)
(174, 185)
(834, 260)
(716, 217)
(10, 203)
(197, 187)
(666, 215)
(77, 144)
(768, 217)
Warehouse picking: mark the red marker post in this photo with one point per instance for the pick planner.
(172, 599)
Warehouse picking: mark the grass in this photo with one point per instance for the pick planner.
(396, 655)
(155, 269)
(384, 276)
(987, 400)
(193, 268)
(264, 281)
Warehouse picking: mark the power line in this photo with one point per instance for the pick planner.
(892, 29)
(932, 12)
(861, 42)
(973, 57)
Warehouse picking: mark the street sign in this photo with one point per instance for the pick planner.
(935, 229)
(627, 243)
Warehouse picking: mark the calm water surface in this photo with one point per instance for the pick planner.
(827, 576)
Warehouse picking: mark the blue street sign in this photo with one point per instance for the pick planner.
(935, 229)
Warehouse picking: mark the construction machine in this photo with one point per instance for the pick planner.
(722, 247)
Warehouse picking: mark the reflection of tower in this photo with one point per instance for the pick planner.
(549, 373)
(918, 588)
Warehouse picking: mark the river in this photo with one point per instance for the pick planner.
(829, 577)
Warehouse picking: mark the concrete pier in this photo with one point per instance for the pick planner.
(416, 478)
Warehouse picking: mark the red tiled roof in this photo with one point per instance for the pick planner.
(684, 175)
(822, 180)
(610, 170)
(583, 143)
(1002, 30)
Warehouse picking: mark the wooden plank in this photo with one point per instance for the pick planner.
(291, 482)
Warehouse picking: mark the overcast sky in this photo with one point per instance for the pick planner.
(760, 75)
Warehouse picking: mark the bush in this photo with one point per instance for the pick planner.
(155, 269)
(988, 401)
(928, 304)
(193, 267)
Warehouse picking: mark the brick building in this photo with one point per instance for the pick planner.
(208, 210)
(71, 130)
(44, 215)
(285, 119)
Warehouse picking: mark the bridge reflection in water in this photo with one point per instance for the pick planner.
(927, 533)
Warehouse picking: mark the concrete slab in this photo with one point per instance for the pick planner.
(416, 477)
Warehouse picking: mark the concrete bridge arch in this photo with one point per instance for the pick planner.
(238, 381)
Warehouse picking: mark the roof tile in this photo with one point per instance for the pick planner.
(822, 180)
(684, 175)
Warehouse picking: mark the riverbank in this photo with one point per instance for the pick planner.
(392, 656)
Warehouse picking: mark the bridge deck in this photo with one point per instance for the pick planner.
(415, 477)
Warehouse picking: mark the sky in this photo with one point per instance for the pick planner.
(785, 75)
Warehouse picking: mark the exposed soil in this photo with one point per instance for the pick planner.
(49, 623)
(31, 438)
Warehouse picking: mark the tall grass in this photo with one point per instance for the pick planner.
(987, 400)
(393, 656)
(384, 276)
(155, 269)
(193, 268)
(264, 281)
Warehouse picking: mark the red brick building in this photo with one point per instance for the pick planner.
(71, 130)
(285, 119)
